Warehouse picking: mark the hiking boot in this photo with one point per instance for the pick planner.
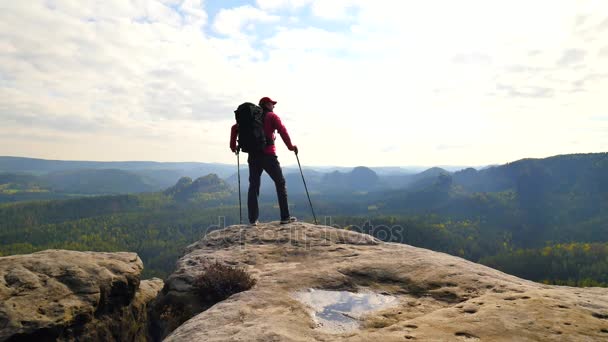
(254, 224)
(289, 220)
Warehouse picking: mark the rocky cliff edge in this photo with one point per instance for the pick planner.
(58, 295)
(429, 296)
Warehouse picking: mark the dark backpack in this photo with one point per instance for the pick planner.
(250, 118)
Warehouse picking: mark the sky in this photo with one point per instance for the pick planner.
(358, 82)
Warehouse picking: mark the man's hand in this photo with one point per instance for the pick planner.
(294, 148)
(235, 150)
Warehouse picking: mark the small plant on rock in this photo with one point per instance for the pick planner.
(219, 281)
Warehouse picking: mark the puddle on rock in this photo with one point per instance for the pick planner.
(340, 311)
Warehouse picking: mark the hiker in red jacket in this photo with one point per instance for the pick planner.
(266, 161)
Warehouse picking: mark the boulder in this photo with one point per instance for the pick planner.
(68, 296)
(433, 296)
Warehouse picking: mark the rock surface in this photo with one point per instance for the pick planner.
(440, 297)
(68, 295)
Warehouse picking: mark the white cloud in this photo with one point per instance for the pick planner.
(230, 22)
(193, 12)
(171, 2)
(572, 56)
(480, 79)
(604, 24)
(118, 77)
(333, 10)
(157, 12)
(308, 39)
(273, 5)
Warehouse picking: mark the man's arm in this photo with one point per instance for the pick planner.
(233, 133)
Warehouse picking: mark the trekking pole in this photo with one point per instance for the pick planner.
(306, 188)
(238, 172)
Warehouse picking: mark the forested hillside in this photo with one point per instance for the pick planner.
(545, 220)
(155, 225)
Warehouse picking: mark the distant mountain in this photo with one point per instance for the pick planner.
(559, 174)
(427, 178)
(333, 183)
(186, 189)
(429, 194)
(394, 170)
(43, 166)
(19, 181)
(363, 178)
(421, 179)
(432, 172)
(559, 199)
(23, 187)
(359, 179)
(109, 181)
(534, 181)
(161, 178)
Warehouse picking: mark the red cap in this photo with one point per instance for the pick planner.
(267, 99)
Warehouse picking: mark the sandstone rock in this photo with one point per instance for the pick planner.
(439, 297)
(68, 295)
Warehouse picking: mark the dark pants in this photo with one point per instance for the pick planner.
(270, 164)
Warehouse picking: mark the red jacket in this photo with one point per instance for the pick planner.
(272, 122)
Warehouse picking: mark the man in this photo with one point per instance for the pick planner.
(266, 161)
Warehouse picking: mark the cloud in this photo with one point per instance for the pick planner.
(443, 147)
(274, 5)
(323, 9)
(525, 92)
(372, 75)
(580, 20)
(59, 123)
(471, 58)
(112, 74)
(333, 10)
(525, 69)
(604, 25)
(310, 38)
(230, 22)
(193, 13)
(39, 136)
(571, 56)
(599, 118)
(158, 12)
(591, 78)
